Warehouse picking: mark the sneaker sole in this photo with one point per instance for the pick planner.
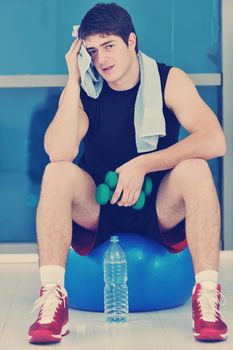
(47, 337)
(210, 336)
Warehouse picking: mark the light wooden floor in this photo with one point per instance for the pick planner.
(161, 330)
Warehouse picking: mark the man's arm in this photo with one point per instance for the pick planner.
(70, 124)
(206, 139)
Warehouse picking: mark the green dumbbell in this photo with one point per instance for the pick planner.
(103, 194)
(105, 191)
(140, 202)
(147, 186)
(111, 179)
(146, 190)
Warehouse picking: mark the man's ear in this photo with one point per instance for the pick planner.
(132, 40)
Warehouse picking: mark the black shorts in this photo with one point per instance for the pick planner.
(114, 219)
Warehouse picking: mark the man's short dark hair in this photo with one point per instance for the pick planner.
(107, 18)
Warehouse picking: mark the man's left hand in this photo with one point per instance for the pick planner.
(130, 180)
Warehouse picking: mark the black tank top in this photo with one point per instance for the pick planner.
(110, 140)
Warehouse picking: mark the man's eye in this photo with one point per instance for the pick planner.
(109, 46)
(91, 52)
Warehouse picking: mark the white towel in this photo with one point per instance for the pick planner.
(149, 120)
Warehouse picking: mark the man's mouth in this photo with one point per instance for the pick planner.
(107, 69)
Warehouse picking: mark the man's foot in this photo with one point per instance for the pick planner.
(207, 320)
(52, 321)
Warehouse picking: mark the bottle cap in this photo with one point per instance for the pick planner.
(114, 239)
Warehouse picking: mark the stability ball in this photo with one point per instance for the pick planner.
(157, 279)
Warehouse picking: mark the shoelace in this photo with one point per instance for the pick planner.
(48, 303)
(208, 299)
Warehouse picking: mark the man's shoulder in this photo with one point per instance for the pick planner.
(172, 72)
(178, 81)
(178, 76)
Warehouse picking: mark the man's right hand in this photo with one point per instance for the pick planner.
(72, 60)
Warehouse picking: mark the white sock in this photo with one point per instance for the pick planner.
(207, 279)
(52, 274)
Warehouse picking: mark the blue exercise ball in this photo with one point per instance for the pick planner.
(157, 279)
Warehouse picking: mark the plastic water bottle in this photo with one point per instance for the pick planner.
(116, 307)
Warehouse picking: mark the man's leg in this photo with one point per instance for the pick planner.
(188, 191)
(67, 193)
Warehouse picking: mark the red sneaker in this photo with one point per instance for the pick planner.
(52, 321)
(207, 320)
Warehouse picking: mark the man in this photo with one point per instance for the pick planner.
(183, 188)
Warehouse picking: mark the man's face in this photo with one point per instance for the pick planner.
(110, 55)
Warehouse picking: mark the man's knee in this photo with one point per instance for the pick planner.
(61, 168)
(62, 171)
(195, 167)
(192, 172)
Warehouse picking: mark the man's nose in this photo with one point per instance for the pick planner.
(101, 58)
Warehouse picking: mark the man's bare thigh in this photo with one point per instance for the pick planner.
(170, 206)
(85, 209)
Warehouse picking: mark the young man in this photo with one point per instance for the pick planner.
(183, 187)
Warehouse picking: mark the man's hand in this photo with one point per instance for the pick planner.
(130, 181)
(72, 60)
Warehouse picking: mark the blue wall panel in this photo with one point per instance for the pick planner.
(35, 35)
